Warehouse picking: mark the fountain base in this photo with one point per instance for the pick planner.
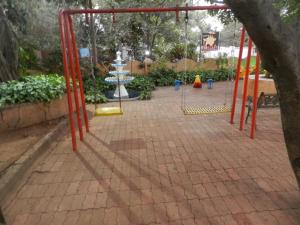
(123, 92)
(132, 96)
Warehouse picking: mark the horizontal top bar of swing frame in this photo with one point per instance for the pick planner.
(136, 10)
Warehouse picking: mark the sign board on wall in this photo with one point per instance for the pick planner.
(210, 41)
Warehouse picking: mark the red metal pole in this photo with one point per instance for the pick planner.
(237, 75)
(66, 73)
(137, 10)
(101, 11)
(74, 82)
(77, 64)
(255, 93)
(242, 122)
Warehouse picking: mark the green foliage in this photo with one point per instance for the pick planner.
(53, 62)
(222, 60)
(166, 77)
(44, 88)
(145, 95)
(39, 88)
(141, 83)
(163, 76)
(221, 74)
(290, 10)
(178, 52)
(101, 87)
(225, 16)
(27, 58)
(90, 97)
(160, 63)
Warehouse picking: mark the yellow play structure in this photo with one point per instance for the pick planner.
(243, 71)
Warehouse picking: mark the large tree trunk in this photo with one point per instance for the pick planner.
(8, 50)
(279, 48)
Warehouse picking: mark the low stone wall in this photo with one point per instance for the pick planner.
(264, 85)
(191, 65)
(28, 114)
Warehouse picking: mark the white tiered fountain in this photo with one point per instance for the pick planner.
(119, 78)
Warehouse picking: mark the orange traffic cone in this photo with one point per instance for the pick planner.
(197, 82)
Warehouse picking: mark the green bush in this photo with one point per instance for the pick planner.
(101, 88)
(141, 83)
(145, 95)
(101, 85)
(166, 77)
(178, 52)
(39, 88)
(163, 76)
(222, 60)
(27, 58)
(146, 84)
(159, 63)
(53, 63)
(90, 97)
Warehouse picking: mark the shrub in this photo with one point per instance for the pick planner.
(141, 83)
(53, 62)
(145, 95)
(166, 77)
(188, 77)
(39, 88)
(90, 97)
(27, 58)
(101, 87)
(163, 76)
(222, 60)
(144, 85)
(160, 63)
(178, 52)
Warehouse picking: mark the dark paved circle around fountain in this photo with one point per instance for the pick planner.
(133, 95)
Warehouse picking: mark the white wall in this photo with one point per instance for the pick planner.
(228, 51)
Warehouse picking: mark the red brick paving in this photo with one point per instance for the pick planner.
(153, 165)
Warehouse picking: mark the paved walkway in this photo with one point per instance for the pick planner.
(16, 143)
(153, 165)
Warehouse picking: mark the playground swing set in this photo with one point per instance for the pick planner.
(196, 109)
(72, 69)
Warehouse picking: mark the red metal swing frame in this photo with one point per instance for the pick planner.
(72, 65)
(245, 86)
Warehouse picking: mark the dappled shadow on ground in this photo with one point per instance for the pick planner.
(153, 165)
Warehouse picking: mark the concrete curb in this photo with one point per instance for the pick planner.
(11, 178)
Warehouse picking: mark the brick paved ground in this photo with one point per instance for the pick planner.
(156, 166)
(17, 142)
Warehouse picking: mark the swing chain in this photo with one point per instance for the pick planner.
(186, 20)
